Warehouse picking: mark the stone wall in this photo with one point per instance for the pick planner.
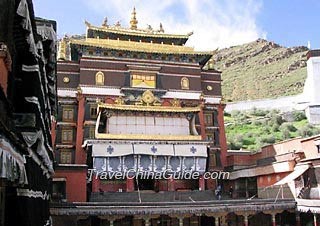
(283, 104)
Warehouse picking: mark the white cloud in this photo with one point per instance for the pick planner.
(215, 23)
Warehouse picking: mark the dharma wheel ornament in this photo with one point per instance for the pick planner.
(148, 97)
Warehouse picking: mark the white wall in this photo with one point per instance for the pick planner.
(312, 85)
(282, 103)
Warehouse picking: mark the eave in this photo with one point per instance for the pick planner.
(144, 108)
(140, 47)
(137, 32)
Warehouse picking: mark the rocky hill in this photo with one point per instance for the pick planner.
(261, 69)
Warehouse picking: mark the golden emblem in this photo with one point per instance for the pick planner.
(100, 78)
(209, 87)
(66, 80)
(175, 103)
(148, 97)
(119, 101)
(184, 83)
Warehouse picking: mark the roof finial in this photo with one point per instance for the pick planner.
(161, 28)
(105, 22)
(133, 21)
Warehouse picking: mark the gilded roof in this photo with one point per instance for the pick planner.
(137, 46)
(137, 32)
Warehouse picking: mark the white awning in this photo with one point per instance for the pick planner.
(190, 150)
(317, 142)
(298, 171)
(154, 149)
(58, 179)
(111, 150)
(308, 205)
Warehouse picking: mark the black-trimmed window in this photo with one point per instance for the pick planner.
(58, 191)
(67, 135)
(93, 111)
(212, 159)
(65, 156)
(67, 114)
(208, 119)
(91, 132)
(210, 137)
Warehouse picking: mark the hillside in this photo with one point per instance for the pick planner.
(261, 69)
(255, 128)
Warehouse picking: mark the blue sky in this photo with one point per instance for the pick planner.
(215, 23)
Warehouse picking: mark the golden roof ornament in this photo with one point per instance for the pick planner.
(148, 97)
(118, 24)
(133, 21)
(79, 90)
(175, 103)
(105, 22)
(211, 64)
(62, 52)
(119, 100)
(161, 28)
(149, 28)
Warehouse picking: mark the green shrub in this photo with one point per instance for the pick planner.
(275, 127)
(299, 115)
(227, 114)
(308, 130)
(285, 133)
(265, 129)
(288, 126)
(258, 112)
(234, 113)
(257, 122)
(249, 135)
(275, 119)
(268, 139)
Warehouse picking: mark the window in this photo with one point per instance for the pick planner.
(216, 141)
(215, 118)
(208, 119)
(67, 135)
(100, 78)
(184, 83)
(58, 190)
(318, 148)
(91, 132)
(210, 137)
(65, 156)
(269, 179)
(213, 159)
(93, 111)
(67, 114)
(143, 80)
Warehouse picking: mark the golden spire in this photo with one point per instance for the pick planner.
(62, 52)
(133, 21)
(105, 22)
(161, 28)
(211, 64)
